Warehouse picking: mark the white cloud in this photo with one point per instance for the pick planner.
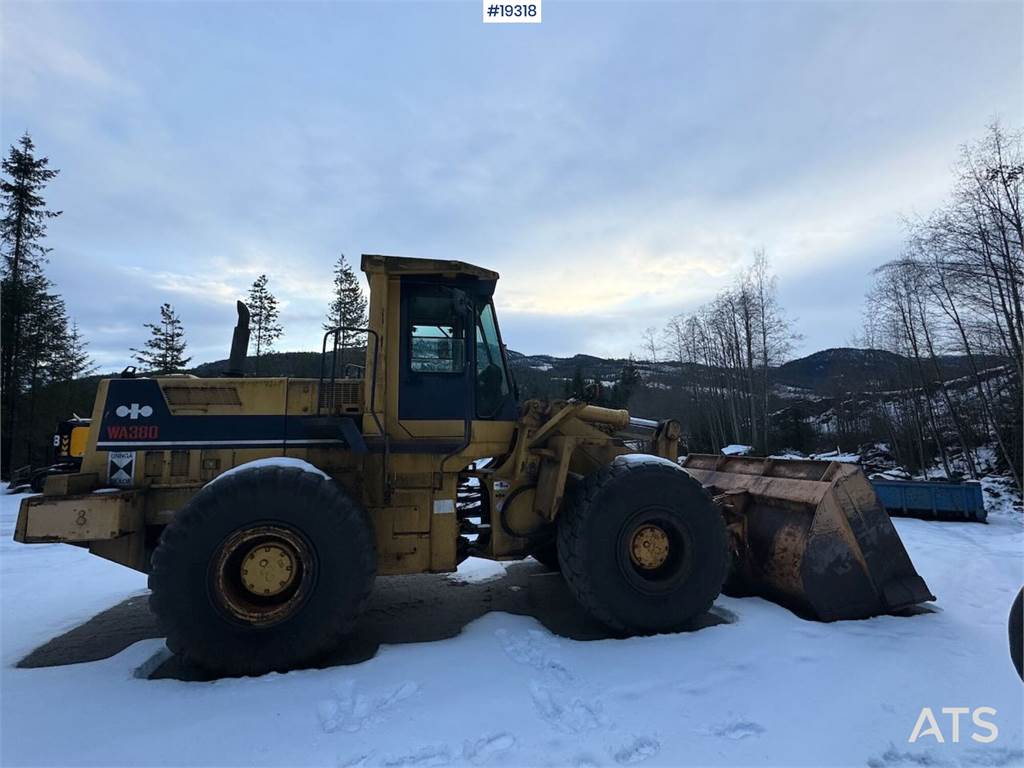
(613, 177)
(40, 45)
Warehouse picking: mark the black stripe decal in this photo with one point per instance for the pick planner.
(136, 417)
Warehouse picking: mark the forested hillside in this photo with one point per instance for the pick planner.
(936, 375)
(833, 398)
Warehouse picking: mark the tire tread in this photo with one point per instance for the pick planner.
(572, 541)
(175, 549)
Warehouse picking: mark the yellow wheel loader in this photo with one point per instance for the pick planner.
(68, 448)
(263, 508)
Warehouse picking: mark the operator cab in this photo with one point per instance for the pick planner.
(452, 362)
(450, 367)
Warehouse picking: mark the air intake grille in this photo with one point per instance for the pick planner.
(342, 396)
(201, 394)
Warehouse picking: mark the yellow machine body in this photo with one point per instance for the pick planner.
(407, 478)
(71, 443)
(434, 474)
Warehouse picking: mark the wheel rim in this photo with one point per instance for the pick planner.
(262, 575)
(268, 569)
(655, 550)
(649, 547)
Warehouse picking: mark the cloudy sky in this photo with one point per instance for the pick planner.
(617, 163)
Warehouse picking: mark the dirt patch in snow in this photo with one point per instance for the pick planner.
(402, 609)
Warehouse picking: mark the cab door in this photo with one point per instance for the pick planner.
(436, 374)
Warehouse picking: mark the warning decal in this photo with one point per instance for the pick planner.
(120, 467)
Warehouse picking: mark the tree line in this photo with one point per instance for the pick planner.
(720, 355)
(953, 293)
(42, 347)
(164, 350)
(725, 351)
(956, 289)
(44, 358)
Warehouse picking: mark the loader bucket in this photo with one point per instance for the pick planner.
(810, 535)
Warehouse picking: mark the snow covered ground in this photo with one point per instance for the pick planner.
(765, 689)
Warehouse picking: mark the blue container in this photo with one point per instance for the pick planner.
(937, 499)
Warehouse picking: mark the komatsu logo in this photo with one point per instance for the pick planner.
(134, 411)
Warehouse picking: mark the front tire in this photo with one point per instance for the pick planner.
(642, 546)
(263, 570)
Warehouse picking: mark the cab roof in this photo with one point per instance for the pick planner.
(404, 265)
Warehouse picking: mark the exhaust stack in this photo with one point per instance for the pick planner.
(239, 344)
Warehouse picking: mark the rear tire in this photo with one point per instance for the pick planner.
(264, 570)
(642, 546)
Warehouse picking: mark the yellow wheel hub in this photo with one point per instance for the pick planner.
(268, 569)
(649, 548)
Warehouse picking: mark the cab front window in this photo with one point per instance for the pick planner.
(492, 388)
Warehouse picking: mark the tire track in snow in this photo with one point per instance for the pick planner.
(562, 701)
(349, 710)
(477, 752)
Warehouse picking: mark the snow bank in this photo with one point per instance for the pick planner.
(787, 454)
(643, 458)
(768, 689)
(837, 455)
(47, 589)
(474, 570)
(737, 450)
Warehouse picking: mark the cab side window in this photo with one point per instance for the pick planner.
(491, 379)
(437, 335)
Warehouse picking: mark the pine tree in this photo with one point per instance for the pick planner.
(577, 386)
(348, 306)
(263, 318)
(165, 348)
(73, 360)
(24, 296)
(629, 380)
(44, 340)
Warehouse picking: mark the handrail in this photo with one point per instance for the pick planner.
(334, 363)
(373, 383)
